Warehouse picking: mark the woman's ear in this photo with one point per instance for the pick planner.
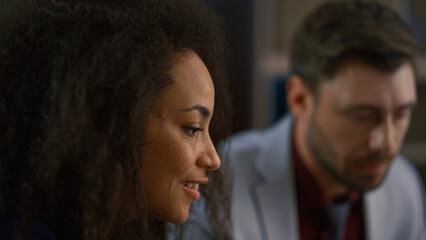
(299, 97)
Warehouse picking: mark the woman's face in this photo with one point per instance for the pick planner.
(180, 151)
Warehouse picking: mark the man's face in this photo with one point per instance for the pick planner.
(358, 121)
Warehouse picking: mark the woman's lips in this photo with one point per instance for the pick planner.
(191, 189)
(191, 186)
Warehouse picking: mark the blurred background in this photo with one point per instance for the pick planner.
(259, 34)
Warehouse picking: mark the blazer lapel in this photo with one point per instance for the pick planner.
(375, 212)
(275, 193)
(278, 209)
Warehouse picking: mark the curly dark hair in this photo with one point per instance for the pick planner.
(77, 81)
(368, 31)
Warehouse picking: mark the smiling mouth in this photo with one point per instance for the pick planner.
(191, 185)
(192, 189)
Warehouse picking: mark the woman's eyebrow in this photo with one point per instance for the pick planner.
(205, 112)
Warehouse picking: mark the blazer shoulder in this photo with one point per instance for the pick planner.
(253, 141)
(405, 174)
(395, 210)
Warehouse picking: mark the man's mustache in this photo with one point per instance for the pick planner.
(375, 157)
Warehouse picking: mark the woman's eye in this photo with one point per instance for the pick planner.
(192, 131)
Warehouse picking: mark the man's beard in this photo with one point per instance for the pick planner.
(325, 154)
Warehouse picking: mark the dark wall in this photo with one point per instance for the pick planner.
(6, 5)
(239, 19)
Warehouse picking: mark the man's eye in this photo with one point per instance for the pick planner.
(365, 117)
(192, 131)
(402, 115)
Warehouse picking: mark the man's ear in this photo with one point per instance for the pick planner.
(299, 97)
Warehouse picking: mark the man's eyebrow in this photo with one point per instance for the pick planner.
(203, 110)
(407, 106)
(364, 107)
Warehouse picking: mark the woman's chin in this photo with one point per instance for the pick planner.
(180, 219)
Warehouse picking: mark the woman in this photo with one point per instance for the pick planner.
(105, 110)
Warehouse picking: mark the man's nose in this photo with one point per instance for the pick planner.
(382, 137)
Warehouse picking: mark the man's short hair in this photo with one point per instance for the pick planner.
(335, 31)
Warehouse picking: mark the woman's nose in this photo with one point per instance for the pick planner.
(209, 159)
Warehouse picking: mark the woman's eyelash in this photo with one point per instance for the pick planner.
(192, 130)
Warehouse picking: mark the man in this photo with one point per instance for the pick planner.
(331, 169)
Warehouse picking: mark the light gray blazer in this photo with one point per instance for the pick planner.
(264, 198)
